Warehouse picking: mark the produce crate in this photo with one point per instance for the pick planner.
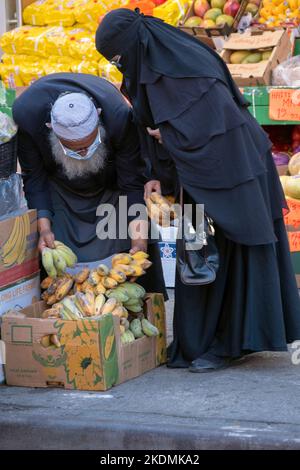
(258, 98)
(91, 355)
(207, 35)
(260, 73)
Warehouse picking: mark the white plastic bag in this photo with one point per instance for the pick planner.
(287, 73)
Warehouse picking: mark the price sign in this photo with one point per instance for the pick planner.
(284, 104)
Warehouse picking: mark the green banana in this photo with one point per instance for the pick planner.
(59, 262)
(48, 263)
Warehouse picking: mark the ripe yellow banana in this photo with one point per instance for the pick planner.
(99, 289)
(117, 275)
(99, 302)
(121, 258)
(63, 288)
(137, 270)
(109, 306)
(109, 283)
(120, 312)
(85, 303)
(94, 278)
(140, 255)
(82, 276)
(54, 340)
(47, 282)
(102, 270)
(127, 269)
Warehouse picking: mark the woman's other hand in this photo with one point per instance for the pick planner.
(150, 187)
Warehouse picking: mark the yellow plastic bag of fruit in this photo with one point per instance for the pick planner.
(84, 66)
(10, 75)
(19, 59)
(56, 67)
(31, 72)
(57, 42)
(35, 13)
(84, 48)
(61, 15)
(172, 11)
(91, 10)
(30, 40)
(110, 72)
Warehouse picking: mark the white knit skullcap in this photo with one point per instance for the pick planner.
(74, 116)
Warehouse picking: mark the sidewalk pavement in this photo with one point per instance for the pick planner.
(253, 405)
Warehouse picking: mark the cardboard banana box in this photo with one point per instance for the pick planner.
(18, 248)
(89, 354)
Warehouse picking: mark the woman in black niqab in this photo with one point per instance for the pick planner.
(215, 150)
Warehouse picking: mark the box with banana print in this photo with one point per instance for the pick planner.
(83, 354)
(18, 248)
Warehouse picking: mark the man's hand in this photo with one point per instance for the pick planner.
(138, 245)
(47, 237)
(153, 185)
(155, 133)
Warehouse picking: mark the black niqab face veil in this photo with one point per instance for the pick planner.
(150, 48)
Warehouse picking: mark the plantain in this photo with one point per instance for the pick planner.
(127, 269)
(121, 258)
(51, 300)
(87, 287)
(117, 275)
(109, 283)
(99, 289)
(63, 288)
(94, 278)
(85, 303)
(46, 283)
(70, 309)
(82, 276)
(120, 312)
(102, 270)
(51, 313)
(134, 289)
(99, 302)
(138, 270)
(109, 306)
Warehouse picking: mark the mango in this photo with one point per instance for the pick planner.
(238, 57)
(213, 14)
(253, 58)
(266, 55)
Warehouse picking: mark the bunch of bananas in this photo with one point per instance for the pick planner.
(160, 210)
(101, 291)
(13, 250)
(58, 259)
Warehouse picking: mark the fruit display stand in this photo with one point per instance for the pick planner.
(207, 35)
(259, 99)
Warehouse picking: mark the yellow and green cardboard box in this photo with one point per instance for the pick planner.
(91, 356)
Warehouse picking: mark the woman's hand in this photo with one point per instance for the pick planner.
(153, 185)
(155, 133)
(47, 237)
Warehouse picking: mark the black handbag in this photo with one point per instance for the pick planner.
(197, 256)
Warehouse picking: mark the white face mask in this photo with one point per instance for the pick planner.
(90, 151)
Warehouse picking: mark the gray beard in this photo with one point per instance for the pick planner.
(75, 168)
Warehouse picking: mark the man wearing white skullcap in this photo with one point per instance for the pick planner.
(79, 149)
